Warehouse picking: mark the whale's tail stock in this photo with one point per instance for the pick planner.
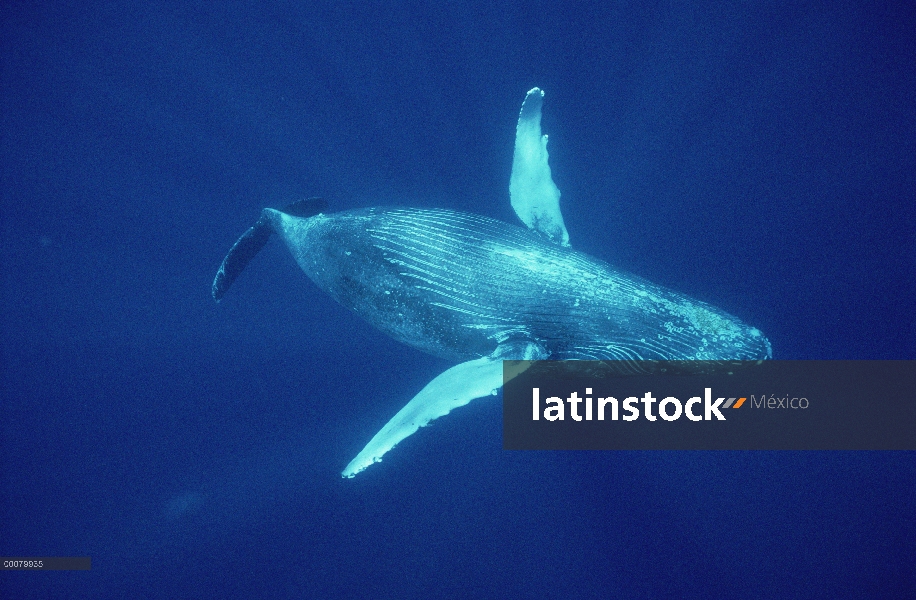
(254, 239)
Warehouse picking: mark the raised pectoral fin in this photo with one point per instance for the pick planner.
(535, 197)
(453, 388)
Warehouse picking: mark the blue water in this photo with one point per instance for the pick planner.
(759, 156)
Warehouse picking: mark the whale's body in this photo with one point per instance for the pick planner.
(458, 285)
(477, 291)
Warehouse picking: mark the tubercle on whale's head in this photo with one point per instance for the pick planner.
(767, 345)
(749, 345)
(752, 344)
(712, 333)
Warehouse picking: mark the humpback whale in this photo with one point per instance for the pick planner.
(478, 291)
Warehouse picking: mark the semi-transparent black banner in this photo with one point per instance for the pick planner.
(46, 563)
(692, 405)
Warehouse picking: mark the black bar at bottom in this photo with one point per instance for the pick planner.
(46, 563)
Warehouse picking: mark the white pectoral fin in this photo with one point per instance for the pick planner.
(455, 387)
(535, 197)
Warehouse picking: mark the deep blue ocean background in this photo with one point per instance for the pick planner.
(760, 156)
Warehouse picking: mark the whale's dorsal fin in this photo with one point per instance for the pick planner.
(306, 208)
(534, 195)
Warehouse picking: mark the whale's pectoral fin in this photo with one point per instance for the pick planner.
(534, 195)
(455, 387)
